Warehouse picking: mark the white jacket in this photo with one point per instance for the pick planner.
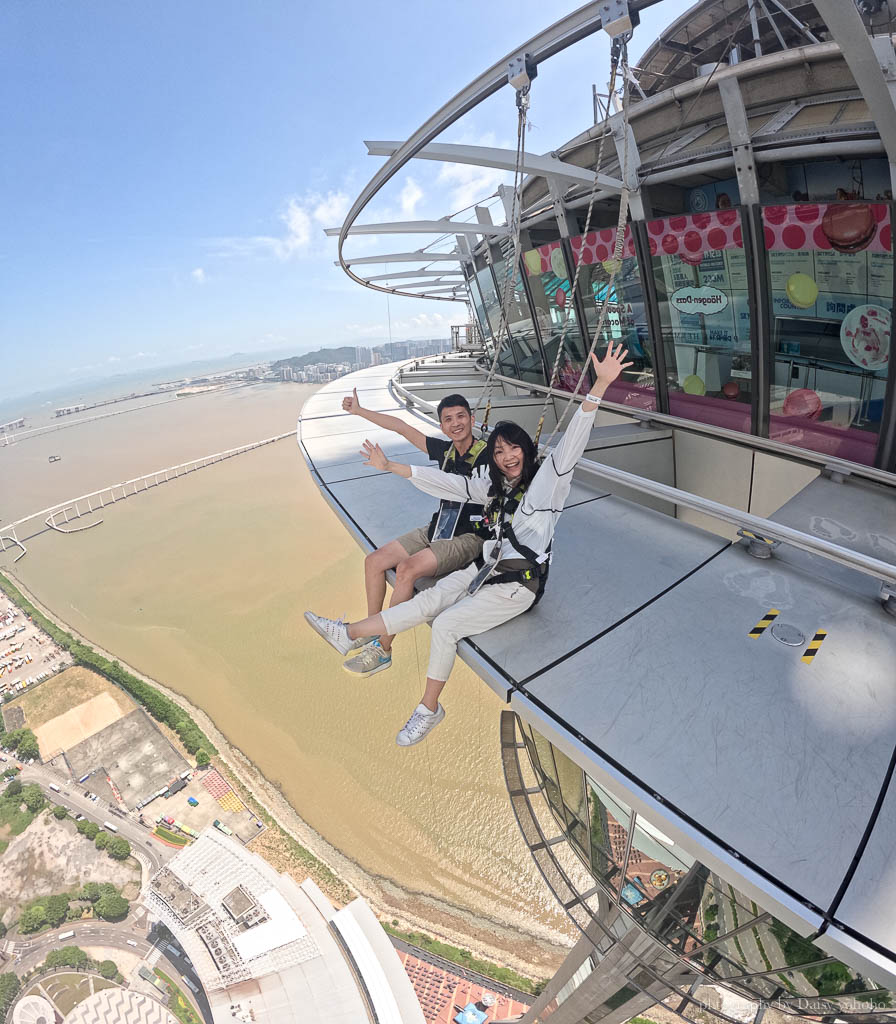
(536, 518)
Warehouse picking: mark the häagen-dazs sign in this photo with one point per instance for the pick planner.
(699, 300)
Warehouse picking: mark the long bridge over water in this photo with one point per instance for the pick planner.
(60, 515)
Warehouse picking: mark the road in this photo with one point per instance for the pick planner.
(71, 796)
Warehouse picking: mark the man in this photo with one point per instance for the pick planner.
(447, 544)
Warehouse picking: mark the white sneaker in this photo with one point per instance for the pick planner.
(369, 660)
(419, 725)
(332, 630)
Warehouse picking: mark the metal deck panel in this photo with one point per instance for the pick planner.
(680, 694)
(338, 449)
(384, 506)
(610, 557)
(329, 403)
(344, 423)
(857, 514)
(356, 469)
(867, 906)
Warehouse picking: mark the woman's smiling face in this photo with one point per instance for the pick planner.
(508, 458)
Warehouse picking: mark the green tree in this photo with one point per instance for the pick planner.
(56, 908)
(28, 746)
(112, 907)
(90, 891)
(14, 788)
(2, 930)
(10, 773)
(60, 812)
(67, 956)
(9, 989)
(33, 798)
(91, 830)
(108, 968)
(32, 919)
(202, 759)
(108, 889)
(73, 913)
(102, 840)
(119, 848)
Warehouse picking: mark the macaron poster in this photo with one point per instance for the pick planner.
(826, 256)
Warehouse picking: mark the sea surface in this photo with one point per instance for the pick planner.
(201, 584)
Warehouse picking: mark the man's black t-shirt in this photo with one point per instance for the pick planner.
(440, 453)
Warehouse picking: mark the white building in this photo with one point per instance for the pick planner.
(269, 950)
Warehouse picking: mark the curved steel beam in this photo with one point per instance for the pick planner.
(562, 34)
(404, 257)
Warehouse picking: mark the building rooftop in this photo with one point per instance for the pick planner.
(269, 950)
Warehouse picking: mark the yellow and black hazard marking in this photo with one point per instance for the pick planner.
(763, 624)
(755, 536)
(814, 644)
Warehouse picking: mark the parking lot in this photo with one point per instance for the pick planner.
(27, 654)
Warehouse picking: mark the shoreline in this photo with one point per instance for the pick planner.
(521, 948)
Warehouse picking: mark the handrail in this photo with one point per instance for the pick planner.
(885, 572)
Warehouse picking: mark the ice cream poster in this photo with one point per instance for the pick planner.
(833, 261)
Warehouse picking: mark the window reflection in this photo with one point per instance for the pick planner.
(555, 311)
(479, 309)
(831, 277)
(702, 288)
(704, 923)
(609, 824)
(625, 320)
(492, 304)
(521, 327)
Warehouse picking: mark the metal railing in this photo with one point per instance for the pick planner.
(884, 572)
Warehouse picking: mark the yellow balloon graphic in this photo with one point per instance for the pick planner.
(802, 291)
(533, 261)
(612, 266)
(558, 264)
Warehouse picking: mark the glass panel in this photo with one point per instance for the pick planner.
(626, 320)
(522, 329)
(555, 310)
(572, 789)
(545, 768)
(831, 280)
(479, 309)
(506, 362)
(608, 824)
(585, 970)
(701, 280)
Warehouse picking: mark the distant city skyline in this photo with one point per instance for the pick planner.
(169, 171)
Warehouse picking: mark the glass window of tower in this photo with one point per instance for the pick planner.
(705, 924)
(519, 322)
(702, 288)
(492, 304)
(625, 319)
(830, 272)
(548, 279)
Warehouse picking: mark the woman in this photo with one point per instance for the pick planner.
(524, 502)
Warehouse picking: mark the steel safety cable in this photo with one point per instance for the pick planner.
(617, 249)
(515, 218)
(598, 166)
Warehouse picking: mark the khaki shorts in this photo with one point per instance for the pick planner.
(451, 555)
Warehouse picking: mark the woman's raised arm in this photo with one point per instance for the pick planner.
(451, 486)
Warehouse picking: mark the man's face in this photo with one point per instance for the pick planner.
(457, 424)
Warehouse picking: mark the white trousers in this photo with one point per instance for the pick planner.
(455, 614)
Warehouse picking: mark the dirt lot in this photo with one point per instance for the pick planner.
(51, 857)
(63, 694)
(135, 755)
(45, 655)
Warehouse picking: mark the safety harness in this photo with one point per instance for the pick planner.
(466, 463)
(530, 569)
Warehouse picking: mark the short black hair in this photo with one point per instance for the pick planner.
(451, 400)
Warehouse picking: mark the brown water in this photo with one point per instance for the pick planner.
(201, 583)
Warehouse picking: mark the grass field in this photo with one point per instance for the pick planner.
(13, 819)
(178, 1004)
(70, 688)
(171, 837)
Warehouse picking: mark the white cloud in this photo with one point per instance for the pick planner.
(302, 218)
(411, 194)
(114, 359)
(198, 275)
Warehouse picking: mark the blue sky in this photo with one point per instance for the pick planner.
(169, 167)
